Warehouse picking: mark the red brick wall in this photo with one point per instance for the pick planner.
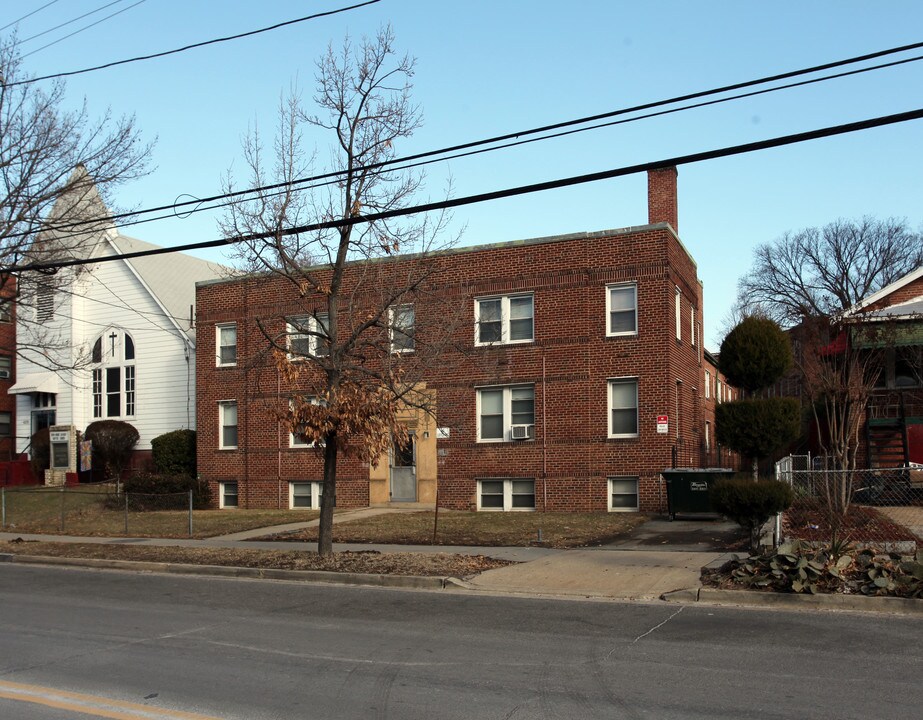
(910, 291)
(569, 364)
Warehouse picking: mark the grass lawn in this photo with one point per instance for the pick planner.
(86, 513)
(560, 530)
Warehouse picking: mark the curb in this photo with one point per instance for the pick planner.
(792, 601)
(414, 582)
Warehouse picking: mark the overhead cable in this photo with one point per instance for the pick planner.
(498, 194)
(191, 47)
(436, 155)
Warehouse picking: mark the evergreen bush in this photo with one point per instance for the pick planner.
(174, 453)
(751, 503)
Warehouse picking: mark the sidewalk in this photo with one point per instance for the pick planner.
(658, 560)
(629, 569)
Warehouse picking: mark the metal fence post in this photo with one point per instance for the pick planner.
(3, 505)
(126, 513)
(62, 508)
(190, 513)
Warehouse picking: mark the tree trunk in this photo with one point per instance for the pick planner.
(755, 535)
(756, 470)
(325, 530)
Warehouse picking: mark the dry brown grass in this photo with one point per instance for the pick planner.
(427, 564)
(560, 530)
(85, 513)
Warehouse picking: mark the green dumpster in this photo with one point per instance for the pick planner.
(689, 489)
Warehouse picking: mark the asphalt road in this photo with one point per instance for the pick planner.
(142, 645)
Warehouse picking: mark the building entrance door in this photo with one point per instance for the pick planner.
(404, 472)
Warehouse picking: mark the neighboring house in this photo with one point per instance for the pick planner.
(109, 340)
(7, 374)
(894, 418)
(577, 347)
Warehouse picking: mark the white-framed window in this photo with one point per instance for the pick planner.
(226, 344)
(501, 409)
(622, 309)
(707, 436)
(227, 495)
(113, 379)
(506, 494)
(692, 324)
(623, 494)
(307, 336)
(6, 367)
(6, 424)
(505, 319)
(6, 310)
(305, 494)
(294, 439)
(129, 389)
(707, 384)
(227, 425)
(718, 388)
(401, 328)
(623, 407)
(678, 299)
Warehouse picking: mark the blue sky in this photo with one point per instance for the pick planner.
(487, 67)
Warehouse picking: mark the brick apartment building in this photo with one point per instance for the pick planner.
(553, 398)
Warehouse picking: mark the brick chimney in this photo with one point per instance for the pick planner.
(661, 197)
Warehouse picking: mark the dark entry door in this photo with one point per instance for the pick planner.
(404, 472)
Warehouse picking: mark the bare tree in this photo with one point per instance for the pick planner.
(818, 272)
(349, 316)
(53, 163)
(814, 281)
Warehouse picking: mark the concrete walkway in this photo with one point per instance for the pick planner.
(633, 575)
(643, 565)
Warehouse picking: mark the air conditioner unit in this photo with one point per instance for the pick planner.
(4, 373)
(522, 432)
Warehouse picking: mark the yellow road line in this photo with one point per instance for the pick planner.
(90, 704)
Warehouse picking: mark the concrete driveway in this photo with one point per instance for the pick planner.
(655, 558)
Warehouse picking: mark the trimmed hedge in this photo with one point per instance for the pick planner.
(113, 443)
(159, 484)
(174, 453)
(751, 503)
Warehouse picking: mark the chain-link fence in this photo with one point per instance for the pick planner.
(881, 507)
(95, 510)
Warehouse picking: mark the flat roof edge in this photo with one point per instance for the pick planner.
(587, 235)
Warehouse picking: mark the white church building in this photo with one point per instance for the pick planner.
(110, 339)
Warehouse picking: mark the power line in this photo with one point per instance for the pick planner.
(85, 27)
(28, 15)
(333, 175)
(68, 22)
(499, 194)
(193, 46)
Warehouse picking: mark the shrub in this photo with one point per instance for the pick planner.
(800, 568)
(751, 503)
(174, 453)
(757, 427)
(159, 484)
(755, 354)
(113, 442)
(41, 453)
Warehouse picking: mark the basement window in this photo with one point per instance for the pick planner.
(506, 494)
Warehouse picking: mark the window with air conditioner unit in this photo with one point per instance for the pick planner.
(506, 413)
(522, 432)
(6, 367)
